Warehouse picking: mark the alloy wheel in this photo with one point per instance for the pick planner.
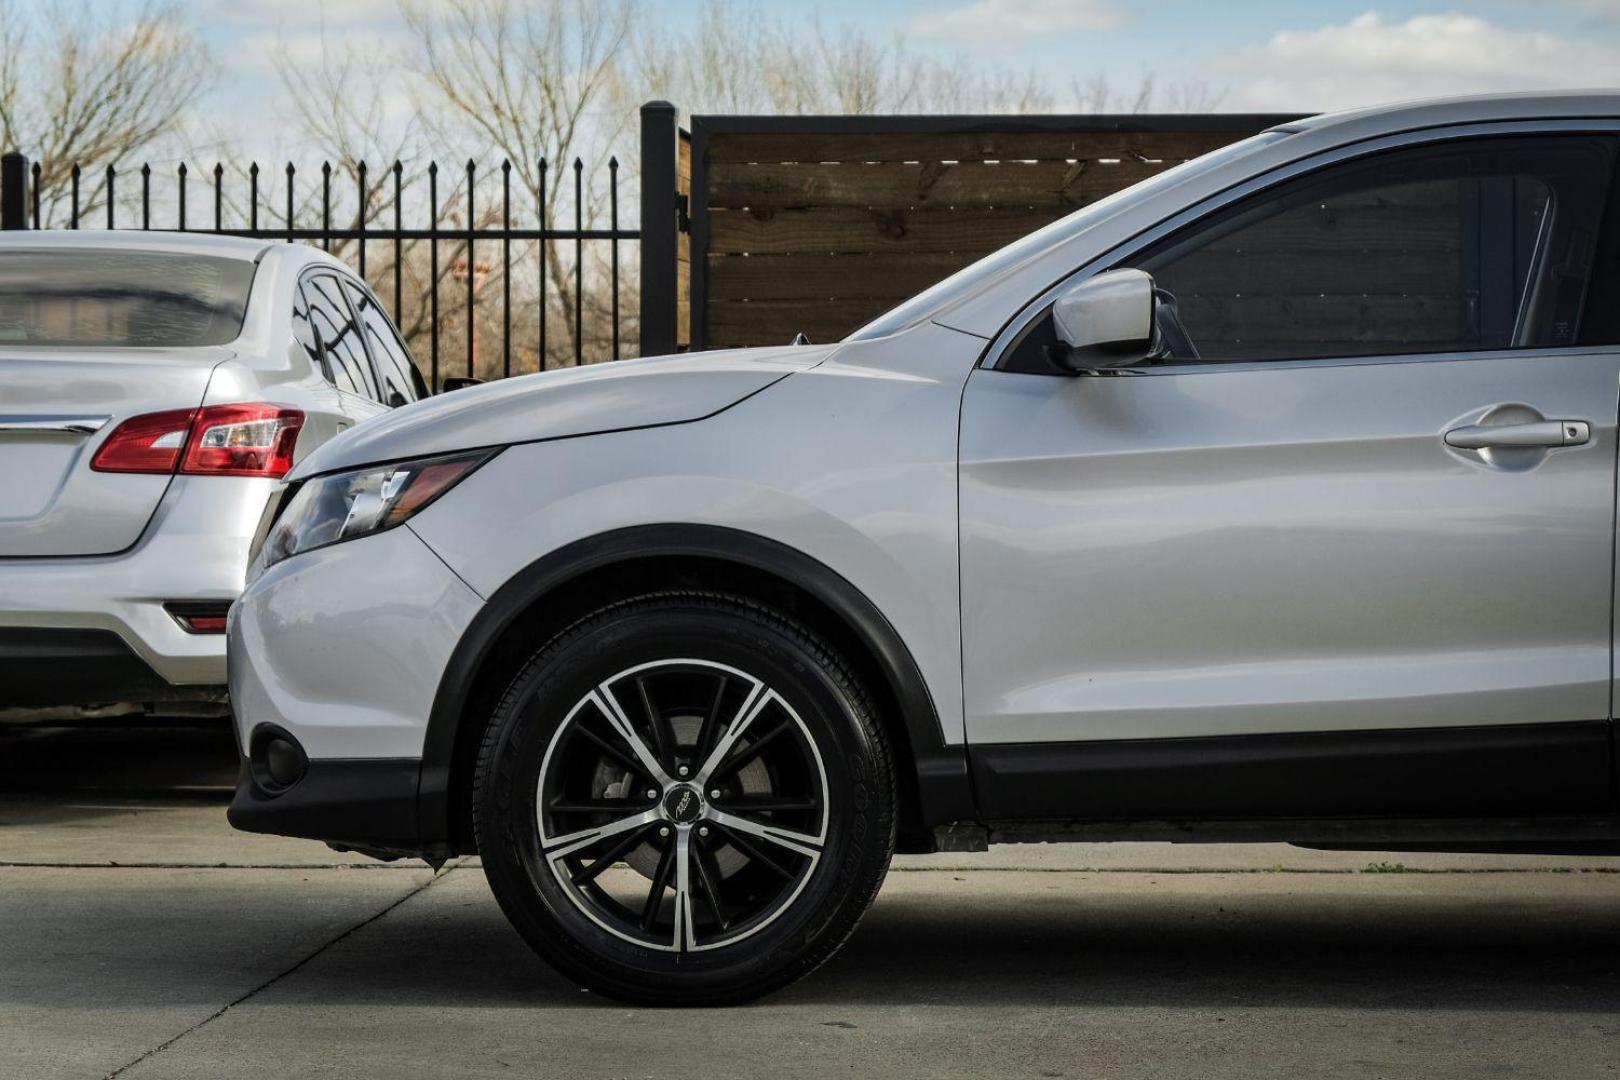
(683, 805)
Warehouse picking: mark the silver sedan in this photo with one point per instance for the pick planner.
(154, 389)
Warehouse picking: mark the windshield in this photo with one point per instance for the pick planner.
(973, 276)
(90, 298)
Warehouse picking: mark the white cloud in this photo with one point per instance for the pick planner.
(1370, 60)
(981, 22)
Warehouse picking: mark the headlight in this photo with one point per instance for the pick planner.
(341, 506)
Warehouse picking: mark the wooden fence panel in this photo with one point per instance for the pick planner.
(820, 224)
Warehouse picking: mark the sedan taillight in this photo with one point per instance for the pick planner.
(254, 439)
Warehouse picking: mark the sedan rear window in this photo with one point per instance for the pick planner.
(87, 298)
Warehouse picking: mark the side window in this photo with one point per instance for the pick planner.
(1452, 247)
(304, 334)
(332, 319)
(401, 382)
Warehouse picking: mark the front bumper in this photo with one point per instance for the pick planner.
(342, 649)
(364, 806)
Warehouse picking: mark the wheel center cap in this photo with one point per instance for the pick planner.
(683, 804)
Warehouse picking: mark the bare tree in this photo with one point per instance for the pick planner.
(76, 88)
(737, 59)
(342, 108)
(1186, 95)
(537, 83)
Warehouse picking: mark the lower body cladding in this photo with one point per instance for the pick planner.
(333, 673)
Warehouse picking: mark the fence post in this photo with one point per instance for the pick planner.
(14, 191)
(659, 227)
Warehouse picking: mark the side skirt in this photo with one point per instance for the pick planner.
(1504, 771)
(1531, 836)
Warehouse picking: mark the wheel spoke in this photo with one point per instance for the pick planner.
(684, 938)
(613, 854)
(619, 757)
(662, 745)
(711, 720)
(750, 804)
(660, 882)
(558, 846)
(709, 878)
(800, 842)
(753, 749)
(741, 842)
(604, 699)
(752, 706)
(600, 806)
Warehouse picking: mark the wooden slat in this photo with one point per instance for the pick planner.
(889, 276)
(734, 324)
(1318, 318)
(842, 230)
(1014, 184)
(683, 302)
(1352, 228)
(730, 148)
(1256, 272)
(683, 242)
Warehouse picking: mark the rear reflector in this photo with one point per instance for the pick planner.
(199, 616)
(254, 439)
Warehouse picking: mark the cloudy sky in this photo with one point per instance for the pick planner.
(1261, 55)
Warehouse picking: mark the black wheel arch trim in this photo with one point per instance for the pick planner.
(942, 777)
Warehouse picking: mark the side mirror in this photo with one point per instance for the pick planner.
(1106, 321)
(456, 383)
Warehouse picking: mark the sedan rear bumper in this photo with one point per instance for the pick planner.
(41, 667)
(194, 549)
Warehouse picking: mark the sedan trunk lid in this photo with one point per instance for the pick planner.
(57, 406)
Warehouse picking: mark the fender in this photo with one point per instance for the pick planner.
(942, 777)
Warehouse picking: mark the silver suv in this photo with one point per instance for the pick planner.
(1272, 499)
(154, 388)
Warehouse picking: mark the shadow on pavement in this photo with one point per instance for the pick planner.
(1066, 941)
(135, 758)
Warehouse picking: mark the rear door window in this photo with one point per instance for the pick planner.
(401, 384)
(339, 332)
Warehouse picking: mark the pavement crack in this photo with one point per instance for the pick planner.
(442, 872)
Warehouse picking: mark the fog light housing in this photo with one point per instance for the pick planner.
(275, 759)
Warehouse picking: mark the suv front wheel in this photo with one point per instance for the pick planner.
(684, 799)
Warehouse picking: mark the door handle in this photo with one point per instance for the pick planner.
(1538, 433)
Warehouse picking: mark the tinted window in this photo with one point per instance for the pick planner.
(340, 335)
(1484, 244)
(401, 383)
(1468, 245)
(304, 334)
(90, 298)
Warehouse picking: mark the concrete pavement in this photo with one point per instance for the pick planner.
(140, 937)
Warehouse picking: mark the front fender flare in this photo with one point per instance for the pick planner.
(942, 777)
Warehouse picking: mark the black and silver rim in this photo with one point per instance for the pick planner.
(682, 805)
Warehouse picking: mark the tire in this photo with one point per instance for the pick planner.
(655, 891)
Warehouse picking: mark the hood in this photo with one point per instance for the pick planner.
(558, 404)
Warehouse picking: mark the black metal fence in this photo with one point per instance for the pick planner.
(557, 279)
